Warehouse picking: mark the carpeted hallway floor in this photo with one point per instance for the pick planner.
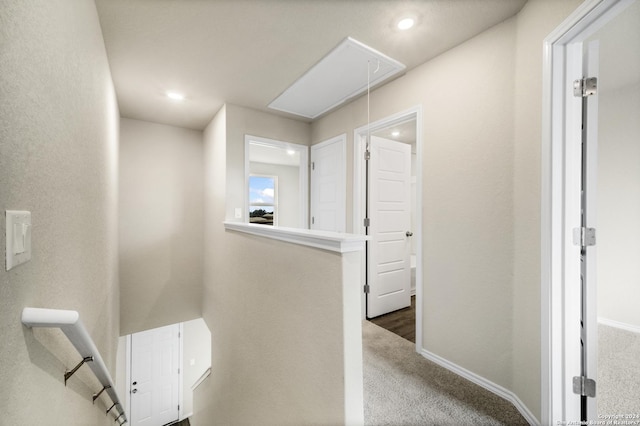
(403, 388)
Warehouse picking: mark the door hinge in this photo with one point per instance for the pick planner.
(366, 222)
(584, 237)
(313, 220)
(178, 371)
(367, 155)
(367, 289)
(313, 165)
(584, 87)
(584, 387)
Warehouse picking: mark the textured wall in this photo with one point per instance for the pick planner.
(58, 159)
(278, 351)
(467, 194)
(481, 169)
(535, 22)
(160, 225)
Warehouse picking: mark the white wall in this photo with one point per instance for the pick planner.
(288, 191)
(271, 321)
(618, 191)
(536, 20)
(196, 359)
(59, 160)
(160, 227)
(467, 194)
(481, 169)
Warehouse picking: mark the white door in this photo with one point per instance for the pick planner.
(155, 376)
(328, 185)
(388, 251)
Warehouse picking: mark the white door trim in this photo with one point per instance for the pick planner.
(303, 176)
(560, 206)
(359, 137)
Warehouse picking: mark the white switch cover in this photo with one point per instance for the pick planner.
(18, 237)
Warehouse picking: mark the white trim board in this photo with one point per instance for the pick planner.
(484, 383)
(620, 325)
(332, 241)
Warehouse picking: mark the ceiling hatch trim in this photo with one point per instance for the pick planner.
(341, 75)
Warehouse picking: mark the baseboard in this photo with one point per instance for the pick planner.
(618, 324)
(487, 384)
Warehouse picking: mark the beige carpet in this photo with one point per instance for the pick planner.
(403, 388)
(618, 384)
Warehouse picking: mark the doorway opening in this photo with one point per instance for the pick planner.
(383, 190)
(581, 105)
(287, 164)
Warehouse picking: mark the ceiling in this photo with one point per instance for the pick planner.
(247, 52)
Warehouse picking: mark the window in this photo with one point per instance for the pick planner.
(263, 199)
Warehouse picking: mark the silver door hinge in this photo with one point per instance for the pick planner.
(584, 387)
(584, 237)
(313, 165)
(367, 155)
(367, 289)
(367, 221)
(584, 87)
(313, 220)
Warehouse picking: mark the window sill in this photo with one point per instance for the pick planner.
(332, 241)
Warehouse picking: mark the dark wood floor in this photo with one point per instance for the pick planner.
(184, 422)
(401, 322)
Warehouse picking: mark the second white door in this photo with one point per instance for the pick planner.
(388, 263)
(155, 376)
(328, 185)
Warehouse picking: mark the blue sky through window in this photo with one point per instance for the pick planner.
(261, 190)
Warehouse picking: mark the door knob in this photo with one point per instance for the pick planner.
(409, 234)
(134, 391)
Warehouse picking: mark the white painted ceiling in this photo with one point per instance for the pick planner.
(247, 52)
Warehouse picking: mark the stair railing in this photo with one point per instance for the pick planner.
(70, 324)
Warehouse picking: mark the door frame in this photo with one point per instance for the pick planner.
(342, 140)
(560, 207)
(303, 178)
(127, 385)
(359, 147)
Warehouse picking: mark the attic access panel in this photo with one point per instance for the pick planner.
(339, 76)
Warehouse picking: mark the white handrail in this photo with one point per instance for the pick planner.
(204, 375)
(70, 324)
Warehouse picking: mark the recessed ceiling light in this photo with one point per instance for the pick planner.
(175, 96)
(395, 133)
(406, 23)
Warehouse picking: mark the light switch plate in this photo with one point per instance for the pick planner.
(18, 237)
